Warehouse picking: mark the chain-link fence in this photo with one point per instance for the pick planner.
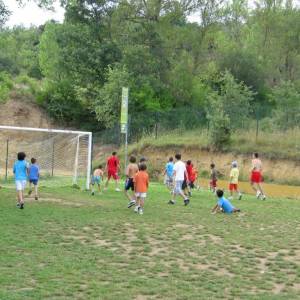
(263, 119)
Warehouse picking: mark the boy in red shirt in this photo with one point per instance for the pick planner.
(141, 184)
(191, 175)
(112, 168)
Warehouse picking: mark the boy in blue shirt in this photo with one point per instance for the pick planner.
(21, 171)
(223, 204)
(34, 175)
(168, 173)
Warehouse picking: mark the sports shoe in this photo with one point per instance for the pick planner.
(131, 203)
(136, 209)
(18, 205)
(93, 193)
(22, 206)
(240, 196)
(186, 201)
(117, 190)
(141, 212)
(258, 193)
(263, 197)
(36, 198)
(171, 202)
(230, 198)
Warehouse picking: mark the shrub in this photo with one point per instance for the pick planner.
(6, 85)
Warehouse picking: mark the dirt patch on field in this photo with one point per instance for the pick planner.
(55, 200)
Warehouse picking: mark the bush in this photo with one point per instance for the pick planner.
(6, 85)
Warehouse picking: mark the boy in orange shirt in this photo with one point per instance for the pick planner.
(141, 184)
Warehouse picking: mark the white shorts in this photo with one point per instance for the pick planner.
(20, 185)
(178, 186)
(141, 195)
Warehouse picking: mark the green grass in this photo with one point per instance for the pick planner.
(283, 145)
(70, 245)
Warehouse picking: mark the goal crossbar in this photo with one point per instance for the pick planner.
(49, 130)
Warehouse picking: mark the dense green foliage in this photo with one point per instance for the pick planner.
(243, 61)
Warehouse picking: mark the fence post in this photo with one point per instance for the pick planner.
(52, 161)
(257, 127)
(6, 162)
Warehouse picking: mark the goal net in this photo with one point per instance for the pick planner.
(64, 156)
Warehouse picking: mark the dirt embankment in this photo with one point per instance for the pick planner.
(23, 113)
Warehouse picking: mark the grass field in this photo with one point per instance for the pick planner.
(70, 245)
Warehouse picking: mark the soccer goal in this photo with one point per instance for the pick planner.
(64, 156)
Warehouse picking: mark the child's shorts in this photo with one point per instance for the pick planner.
(178, 186)
(168, 180)
(233, 187)
(191, 184)
(113, 174)
(20, 185)
(34, 181)
(213, 183)
(96, 180)
(256, 177)
(141, 195)
(129, 184)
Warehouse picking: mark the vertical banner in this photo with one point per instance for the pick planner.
(124, 110)
(124, 121)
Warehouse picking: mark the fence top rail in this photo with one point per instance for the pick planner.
(45, 130)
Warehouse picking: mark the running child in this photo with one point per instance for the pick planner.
(256, 177)
(112, 169)
(168, 173)
(191, 176)
(20, 170)
(131, 170)
(234, 180)
(141, 184)
(223, 205)
(33, 176)
(179, 174)
(97, 178)
(213, 178)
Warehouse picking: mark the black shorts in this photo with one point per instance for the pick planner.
(191, 185)
(129, 184)
(184, 185)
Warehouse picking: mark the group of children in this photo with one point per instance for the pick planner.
(180, 179)
(137, 180)
(23, 172)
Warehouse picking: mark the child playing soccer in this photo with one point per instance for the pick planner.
(191, 176)
(131, 170)
(223, 204)
(112, 168)
(180, 174)
(168, 173)
(97, 178)
(256, 177)
(213, 178)
(34, 175)
(141, 184)
(234, 180)
(20, 170)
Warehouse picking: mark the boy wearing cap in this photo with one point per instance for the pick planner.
(234, 180)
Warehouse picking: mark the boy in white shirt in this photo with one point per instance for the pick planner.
(179, 174)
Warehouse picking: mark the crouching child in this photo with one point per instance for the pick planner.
(224, 205)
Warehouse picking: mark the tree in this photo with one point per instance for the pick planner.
(4, 13)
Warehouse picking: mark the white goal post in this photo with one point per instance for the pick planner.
(59, 152)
